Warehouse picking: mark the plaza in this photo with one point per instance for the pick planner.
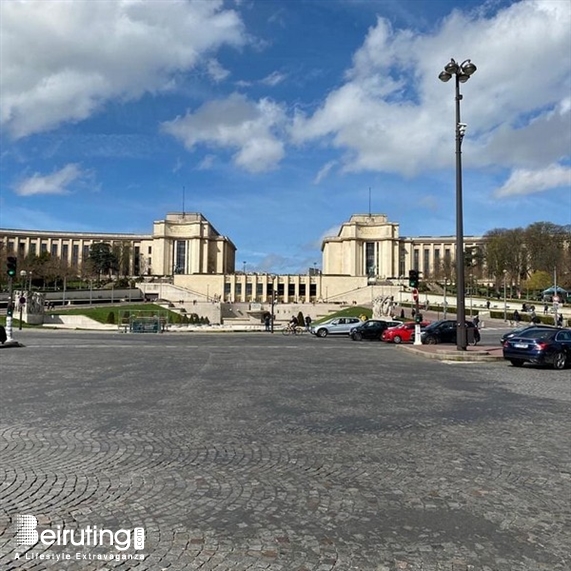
(258, 451)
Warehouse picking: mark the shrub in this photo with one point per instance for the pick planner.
(111, 317)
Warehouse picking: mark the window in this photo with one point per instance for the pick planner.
(415, 260)
(426, 262)
(75, 254)
(370, 266)
(180, 257)
(54, 250)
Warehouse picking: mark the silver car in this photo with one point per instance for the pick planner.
(336, 326)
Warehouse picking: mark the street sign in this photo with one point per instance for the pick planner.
(415, 294)
(555, 299)
(22, 300)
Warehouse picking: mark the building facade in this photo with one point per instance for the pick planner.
(369, 245)
(182, 243)
(188, 251)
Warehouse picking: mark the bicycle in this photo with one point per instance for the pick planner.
(290, 329)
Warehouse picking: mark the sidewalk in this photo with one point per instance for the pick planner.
(449, 352)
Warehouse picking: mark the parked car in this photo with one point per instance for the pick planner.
(444, 331)
(520, 330)
(372, 329)
(402, 333)
(540, 346)
(336, 326)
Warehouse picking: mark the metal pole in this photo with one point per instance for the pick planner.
(505, 299)
(555, 304)
(9, 311)
(273, 305)
(461, 342)
(445, 302)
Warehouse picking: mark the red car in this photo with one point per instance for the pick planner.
(401, 333)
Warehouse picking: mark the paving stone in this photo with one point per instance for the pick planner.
(256, 452)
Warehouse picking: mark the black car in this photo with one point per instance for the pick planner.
(540, 346)
(371, 329)
(444, 331)
(522, 329)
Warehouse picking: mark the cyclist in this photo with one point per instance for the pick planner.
(293, 323)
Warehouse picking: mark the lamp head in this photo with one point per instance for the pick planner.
(463, 78)
(451, 67)
(444, 76)
(468, 67)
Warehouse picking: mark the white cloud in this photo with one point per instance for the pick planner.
(61, 61)
(392, 114)
(235, 123)
(524, 181)
(324, 171)
(273, 79)
(58, 182)
(216, 71)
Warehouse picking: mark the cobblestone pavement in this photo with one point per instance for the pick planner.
(257, 452)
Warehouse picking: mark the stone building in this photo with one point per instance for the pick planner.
(187, 250)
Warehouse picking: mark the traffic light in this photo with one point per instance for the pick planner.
(11, 266)
(413, 279)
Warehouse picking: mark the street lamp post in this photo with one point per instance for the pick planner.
(462, 73)
(505, 297)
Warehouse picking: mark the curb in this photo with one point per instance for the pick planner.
(475, 356)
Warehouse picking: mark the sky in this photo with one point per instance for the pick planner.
(279, 119)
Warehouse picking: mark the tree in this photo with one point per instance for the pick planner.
(102, 258)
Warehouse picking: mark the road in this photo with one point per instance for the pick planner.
(259, 451)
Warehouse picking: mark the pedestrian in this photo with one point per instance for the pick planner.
(545, 309)
(402, 313)
(516, 317)
(267, 321)
(476, 322)
(560, 320)
(307, 322)
(488, 304)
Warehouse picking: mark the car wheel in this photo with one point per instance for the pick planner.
(430, 341)
(397, 339)
(516, 362)
(356, 337)
(322, 332)
(560, 360)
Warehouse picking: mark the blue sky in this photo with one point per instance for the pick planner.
(276, 117)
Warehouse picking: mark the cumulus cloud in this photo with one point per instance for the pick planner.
(392, 114)
(249, 128)
(524, 181)
(58, 182)
(61, 61)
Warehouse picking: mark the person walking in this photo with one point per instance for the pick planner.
(516, 317)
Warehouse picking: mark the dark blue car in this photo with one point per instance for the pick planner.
(539, 346)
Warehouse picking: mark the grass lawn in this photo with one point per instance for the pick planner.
(353, 311)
